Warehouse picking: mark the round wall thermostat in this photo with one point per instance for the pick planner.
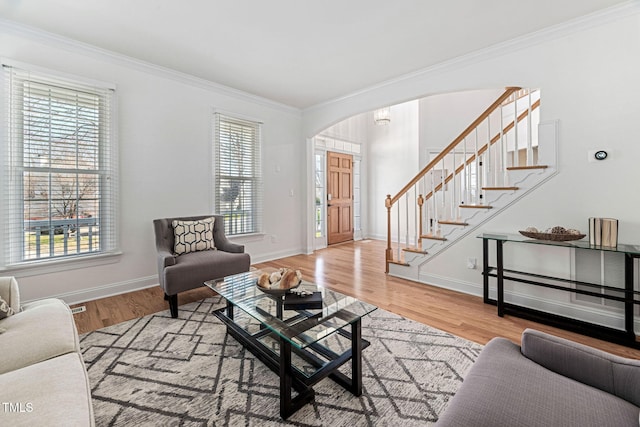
(600, 155)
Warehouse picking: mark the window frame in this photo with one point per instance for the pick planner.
(13, 165)
(256, 177)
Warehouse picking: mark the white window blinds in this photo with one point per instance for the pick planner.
(59, 168)
(238, 177)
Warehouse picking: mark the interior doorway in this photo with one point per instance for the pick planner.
(339, 197)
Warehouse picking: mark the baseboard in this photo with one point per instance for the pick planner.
(104, 291)
(607, 318)
(564, 308)
(275, 255)
(451, 284)
(112, 289)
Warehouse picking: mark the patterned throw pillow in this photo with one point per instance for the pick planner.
(192, 236)
(5, 309)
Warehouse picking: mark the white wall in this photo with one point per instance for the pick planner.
(587, 71)
(444, 116)
(165, 122)
(353, 129)
(392, 161)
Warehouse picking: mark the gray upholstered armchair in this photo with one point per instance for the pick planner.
(184, 271)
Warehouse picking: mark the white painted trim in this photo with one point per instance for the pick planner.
(73, 79)
(277, 255)
(382, 237)
(309, 200)
(109, 290)
(75, 46)
(601, 17)
(469, 288)
(127, 286)
(56, 265)
(590, 314)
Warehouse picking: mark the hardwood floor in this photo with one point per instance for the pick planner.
(357, 269)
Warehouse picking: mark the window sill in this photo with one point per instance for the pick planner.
(36, 268)
(243, 238)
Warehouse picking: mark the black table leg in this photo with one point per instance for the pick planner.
(305, 395)
(500, 281)
(629, 297)
(485, 270)
(285, 379)
(356, 358)
(229, 310)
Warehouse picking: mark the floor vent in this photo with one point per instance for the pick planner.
(81, 309)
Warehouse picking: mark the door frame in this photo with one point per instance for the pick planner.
(315, 147)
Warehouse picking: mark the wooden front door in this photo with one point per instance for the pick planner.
(339, 197)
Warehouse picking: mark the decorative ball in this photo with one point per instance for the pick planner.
(532, 230)
(573, 231)
(558, 230)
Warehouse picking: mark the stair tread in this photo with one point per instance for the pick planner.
(415, 250)
(477, 206)
(404, 264)
(432, 237)
(500, 188)
(453, 223)
(516, 168)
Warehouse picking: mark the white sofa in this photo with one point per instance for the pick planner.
(43, 380)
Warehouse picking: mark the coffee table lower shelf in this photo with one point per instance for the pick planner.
(290, 376)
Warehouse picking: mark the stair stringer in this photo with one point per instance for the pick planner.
(526, 181)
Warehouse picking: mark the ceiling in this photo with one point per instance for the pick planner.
(296, 52)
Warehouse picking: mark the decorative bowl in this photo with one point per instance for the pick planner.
(275, 289)
(554, 237)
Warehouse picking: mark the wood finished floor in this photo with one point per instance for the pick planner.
(357, 269)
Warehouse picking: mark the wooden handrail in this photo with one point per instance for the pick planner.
(390, 201)
(455, 142)
(481, 150)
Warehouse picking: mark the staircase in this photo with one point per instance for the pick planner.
(500, 157)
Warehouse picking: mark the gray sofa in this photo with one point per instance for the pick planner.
(547, 382)
(178, 273)
(43, 380)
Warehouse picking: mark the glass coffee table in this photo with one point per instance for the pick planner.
(302, 342)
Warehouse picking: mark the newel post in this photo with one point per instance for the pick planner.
(389, 251)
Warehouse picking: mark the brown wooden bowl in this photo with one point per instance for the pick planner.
(274, 288)
(554, 237)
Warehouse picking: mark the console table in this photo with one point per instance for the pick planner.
(627, 295)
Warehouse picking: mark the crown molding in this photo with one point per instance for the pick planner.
(592, 20)
(86, 49)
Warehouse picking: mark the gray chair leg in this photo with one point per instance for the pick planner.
(173, 304)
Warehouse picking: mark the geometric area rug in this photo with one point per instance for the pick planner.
(159, 371)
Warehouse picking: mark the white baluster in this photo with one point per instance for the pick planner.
(516, 159)
(426, 206)
(398, 232)
(406, 210)
(434, 211)
(467, 175)
(503, 152)
(477, 162)
(498, 163)
(416, 219)
(454, 200)
(444, 206)
(490, 162)
(529, 136)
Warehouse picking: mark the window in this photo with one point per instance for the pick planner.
(238, 179)
(319, 213)
(59, 171)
